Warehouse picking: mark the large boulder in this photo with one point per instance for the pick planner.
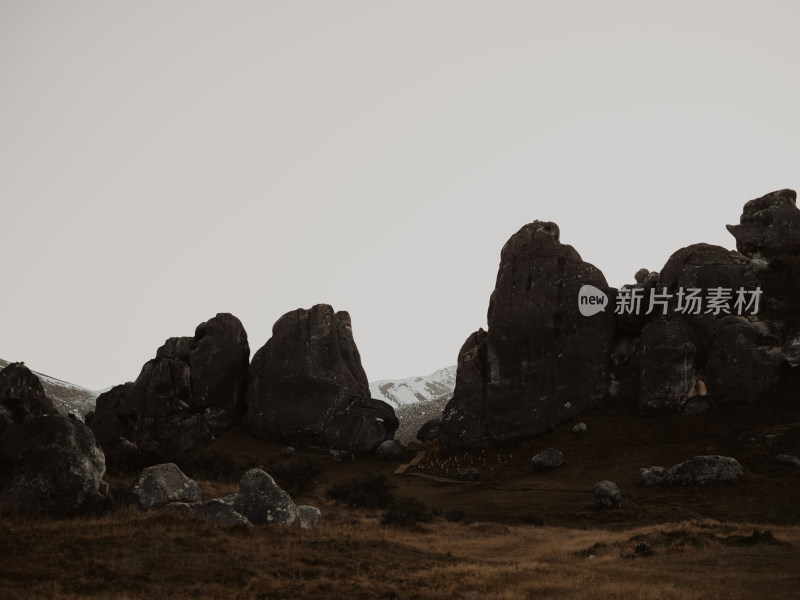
(307, 384)
(22, 396)
(309, 516)
(161, 484)
(607, 495)
(769, 226)
(543, 361)
(192, 390)
(51, 465)
(262, 501)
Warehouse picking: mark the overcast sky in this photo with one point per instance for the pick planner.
(162, 161)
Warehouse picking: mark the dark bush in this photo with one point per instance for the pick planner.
(406, 512)
(367, 491)
(213, 465)
(532, 520)
(456, 516)
(295, 475)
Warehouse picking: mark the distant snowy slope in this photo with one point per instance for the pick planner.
(416, 399)
(65, 396)
(400, 392)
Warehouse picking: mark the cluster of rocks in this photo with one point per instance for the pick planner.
(49, 464)
(259, 501)
(698, 470)
(306, 384)
(191, 391)
(542, 361)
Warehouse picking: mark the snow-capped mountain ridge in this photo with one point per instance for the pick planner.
(400, 392)
(66, 396)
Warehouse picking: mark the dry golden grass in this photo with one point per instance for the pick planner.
(128, 555)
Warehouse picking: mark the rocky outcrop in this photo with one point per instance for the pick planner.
(769, 226)
(463, 421)
(541, 362)
(191, 391)
(307, 384)
(695, 471)
(161, 484)
(51, 465)
(716, 348)
(22, 396)
(262, 501)
(667, 367)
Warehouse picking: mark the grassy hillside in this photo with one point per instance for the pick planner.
(520, 534)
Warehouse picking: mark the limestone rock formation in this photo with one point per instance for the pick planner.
(51, 465)
(695, 471)
(541, 362)
(161, 484)
(262, 501)
(307, 384)
(191, 391)
(667, 369)
(769, 226)
(22, 396)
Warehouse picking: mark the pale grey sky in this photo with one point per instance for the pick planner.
(162, 161)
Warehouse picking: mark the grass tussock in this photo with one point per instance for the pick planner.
(129, 555)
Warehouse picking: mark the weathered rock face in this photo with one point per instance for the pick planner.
(51, 465)
(743, 362)
(667, 373)
(769, 226)
(262, 501)
(463, 421)
(22, 396)
(192, 390)
(161, 484)
(430, 430)
(307, 384)
(698, 355)
(542, 362)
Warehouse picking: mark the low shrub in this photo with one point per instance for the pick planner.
(406, 512)
(366, 491)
